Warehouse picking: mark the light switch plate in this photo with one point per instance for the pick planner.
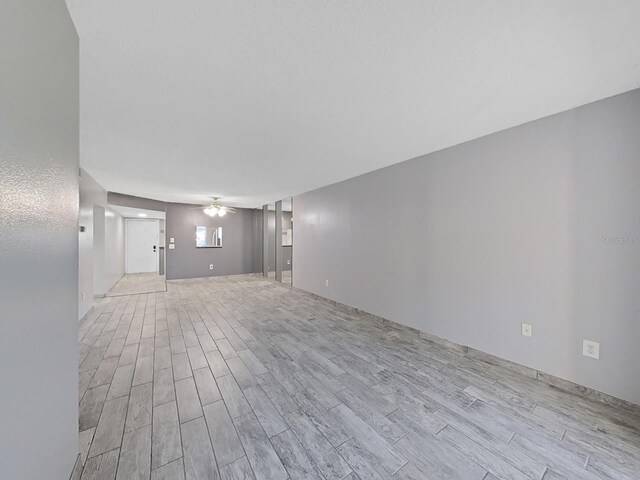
(172, 246)
(527, 330)
(172, 240)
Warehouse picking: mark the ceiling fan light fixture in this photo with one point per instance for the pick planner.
(211, 211)
(215, 209)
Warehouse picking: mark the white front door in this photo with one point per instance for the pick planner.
(142, 245)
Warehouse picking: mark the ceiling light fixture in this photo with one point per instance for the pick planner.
(215, 209)
(212, 211)
(142, 214)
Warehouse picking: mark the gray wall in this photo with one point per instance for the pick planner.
(38, 240)
(239, 243)
(469, 242)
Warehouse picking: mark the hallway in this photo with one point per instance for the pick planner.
(239, 377)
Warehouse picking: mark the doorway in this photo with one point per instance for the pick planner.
(135, 243)
(142, 246)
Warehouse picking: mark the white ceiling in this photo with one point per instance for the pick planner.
(254, 101)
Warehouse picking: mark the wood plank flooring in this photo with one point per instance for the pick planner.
(242, 378)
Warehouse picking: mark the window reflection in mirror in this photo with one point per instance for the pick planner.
(208, 237)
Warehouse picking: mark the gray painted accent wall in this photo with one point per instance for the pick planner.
(38, 240)
(539, 224)
(239, 243)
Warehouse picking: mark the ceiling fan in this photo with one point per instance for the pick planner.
(215, 209)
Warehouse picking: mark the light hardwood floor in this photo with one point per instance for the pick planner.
(241, 378)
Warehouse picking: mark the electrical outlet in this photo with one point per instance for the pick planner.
(591, 349)
(172, 246)
(326, 283)
(210, 267)
(527, 330)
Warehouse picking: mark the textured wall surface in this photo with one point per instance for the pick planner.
(38, 240)
(539, 224)
(240, 242)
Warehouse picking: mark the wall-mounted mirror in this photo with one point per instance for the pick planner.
(208, 237)
(270, 238)
(287, 240)
(277, 241)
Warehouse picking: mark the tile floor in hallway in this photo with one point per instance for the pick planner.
(137, 283)
(241, 378)
(286, 276)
